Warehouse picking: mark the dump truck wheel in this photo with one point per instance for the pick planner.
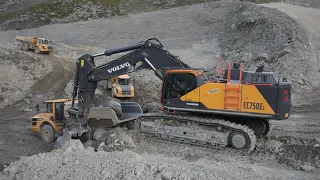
(47, 134)
(25, 47)
(19, 46)
(37, 50)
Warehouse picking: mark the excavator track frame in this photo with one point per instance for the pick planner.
(144, 125)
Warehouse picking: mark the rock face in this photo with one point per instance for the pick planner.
(266, 36)
(35, 13)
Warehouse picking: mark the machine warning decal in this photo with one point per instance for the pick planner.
(138, 64)
(253, 105)
(82, 63)
(215, 90)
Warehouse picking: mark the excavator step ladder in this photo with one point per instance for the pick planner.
(233, 91)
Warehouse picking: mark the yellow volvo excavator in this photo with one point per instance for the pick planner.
(226, 113)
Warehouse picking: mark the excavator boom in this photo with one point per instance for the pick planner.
(144, 55)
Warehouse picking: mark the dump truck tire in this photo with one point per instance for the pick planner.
(19, 46)
(37, 50)
(25, 47)
(47, 134)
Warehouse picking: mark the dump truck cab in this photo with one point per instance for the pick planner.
(50, 123)
(122, 86)
(44, 44)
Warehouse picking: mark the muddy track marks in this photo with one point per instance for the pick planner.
(16, 139)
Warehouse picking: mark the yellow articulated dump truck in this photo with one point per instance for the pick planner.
(121, 86)
(39, 45)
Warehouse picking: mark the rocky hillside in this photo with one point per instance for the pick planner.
(19, 71)
(24, 14)
(255, 35)
(306, 3)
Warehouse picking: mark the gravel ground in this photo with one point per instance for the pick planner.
(76, 161)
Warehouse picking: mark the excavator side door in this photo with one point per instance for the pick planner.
(192, 93)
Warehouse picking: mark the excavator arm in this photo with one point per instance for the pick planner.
(143, 55)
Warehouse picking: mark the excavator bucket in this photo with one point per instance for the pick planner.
(105, 117)
(130, 111)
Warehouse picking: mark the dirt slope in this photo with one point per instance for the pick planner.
(16, 140)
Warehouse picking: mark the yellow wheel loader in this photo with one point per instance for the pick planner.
(39, 45)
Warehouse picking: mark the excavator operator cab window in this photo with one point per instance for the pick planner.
(178, 85)
(191, 82)
(49, 108)
(59, 111)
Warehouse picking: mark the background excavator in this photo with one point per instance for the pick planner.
(227, 113)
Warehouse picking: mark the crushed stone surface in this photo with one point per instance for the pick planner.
(77, 162)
